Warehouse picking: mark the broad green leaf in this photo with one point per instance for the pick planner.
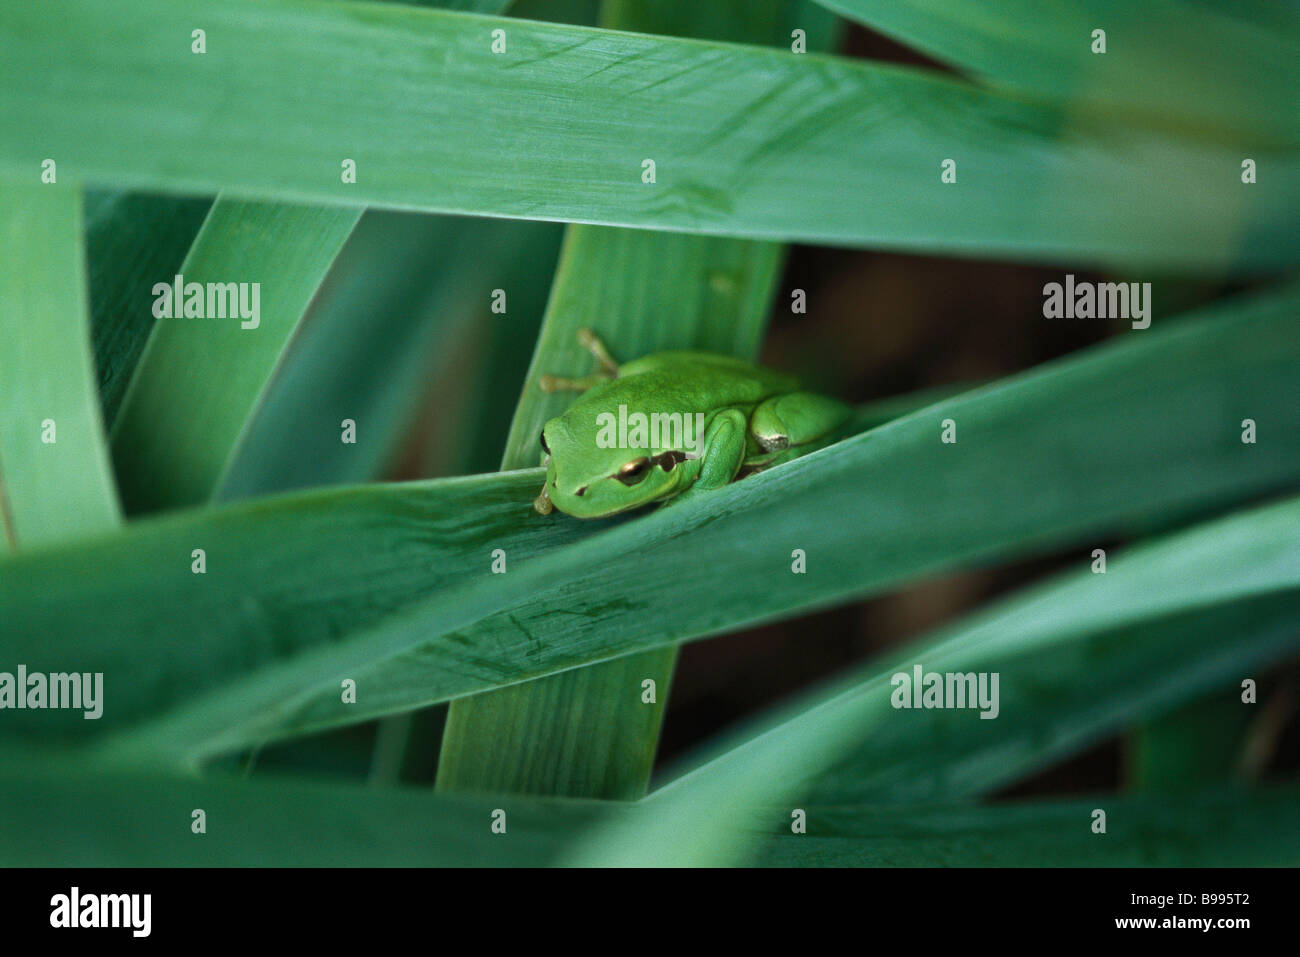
(1216, 66)
(200, 377)
(55, 483)
(280, 575)
(1076, 658)
(747, 141)
(584, 732)
(293, 585)
(62, 819)
(133, 240)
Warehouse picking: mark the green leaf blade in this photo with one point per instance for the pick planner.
(748, 141)
(1171, 61)
(133, 240)
(200, 378)
(55, 483)
(278, 823)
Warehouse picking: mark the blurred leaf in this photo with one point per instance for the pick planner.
(578, 12)
(59, 819)
(468, 6)
(403, 290)
(54, 479)
(133, 240)
(1195, 746)
(461, 413)
(885, 410)
(1211, 66)
(1077, 658)
(766, 22)
(505, 350)
(200, 379)
(56, 818)
(748, 141)
(1221, 828)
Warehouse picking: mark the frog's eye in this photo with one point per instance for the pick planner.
(633, 471)
(542, 438)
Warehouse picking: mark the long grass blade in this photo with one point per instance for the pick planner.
(746, 141)
(132, 241)
(1203, 65)
(279, 822)
(55, 484)
(201, 376)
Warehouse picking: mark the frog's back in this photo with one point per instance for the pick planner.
(666, 383)
(681, 376)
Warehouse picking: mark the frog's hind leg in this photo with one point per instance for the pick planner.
(608, 368)
(796, 420)
(787, 426)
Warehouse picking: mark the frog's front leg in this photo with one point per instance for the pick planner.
(787, 426)
(721, 454)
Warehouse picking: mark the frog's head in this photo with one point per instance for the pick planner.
(587, 481)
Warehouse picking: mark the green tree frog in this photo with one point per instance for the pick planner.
(670, 426)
